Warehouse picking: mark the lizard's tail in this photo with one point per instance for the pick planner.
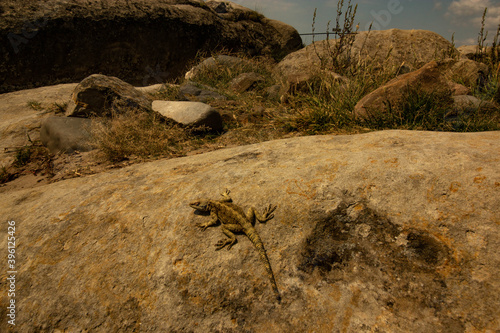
(257, 242)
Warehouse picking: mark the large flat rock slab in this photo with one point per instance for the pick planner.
(394, 231)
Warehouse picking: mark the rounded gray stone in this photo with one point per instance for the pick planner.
(66, 134)
(190, 113)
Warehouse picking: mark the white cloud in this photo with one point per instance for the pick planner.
(438, 5)
(470, 12)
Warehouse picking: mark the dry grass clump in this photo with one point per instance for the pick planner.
(137, 134)
(145, 136)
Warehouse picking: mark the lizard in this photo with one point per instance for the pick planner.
(233, 219)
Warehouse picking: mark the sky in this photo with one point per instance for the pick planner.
(445, 17)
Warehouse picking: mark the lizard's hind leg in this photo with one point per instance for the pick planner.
(228, 230)
(253, 214)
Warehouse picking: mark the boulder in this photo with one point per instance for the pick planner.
(101, 95)
(245, 81)
(48, 42)
(410, 48)
(193, 114)
(428, 78)
(196, 92)
(66, 134)
(284, 34)
(213, 63)
(391, 231)
(467, 71)
(273, 92)
(458, 89)
(303, 82)
(432, 77)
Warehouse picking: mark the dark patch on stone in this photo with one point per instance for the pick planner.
(244, 157)
(337, 237)
(356, 243)
(425, 249)
(371, 238)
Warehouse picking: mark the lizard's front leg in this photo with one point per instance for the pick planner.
(267, 215)
(205, 225)
(226, 197)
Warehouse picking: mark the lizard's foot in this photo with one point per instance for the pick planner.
(223, 243)
(268, 213)
(226, 196)
(202, 226)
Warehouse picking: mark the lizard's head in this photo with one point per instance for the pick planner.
(201, 205)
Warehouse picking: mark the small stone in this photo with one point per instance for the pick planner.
(66, 134)
(245, 81)
(190, 113)
(211, 64)
(198, 93)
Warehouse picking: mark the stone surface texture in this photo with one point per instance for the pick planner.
(391, 231)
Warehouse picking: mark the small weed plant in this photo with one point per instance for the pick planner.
(33, 158)
(337, 56)
(488, 55)
(35, 105)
